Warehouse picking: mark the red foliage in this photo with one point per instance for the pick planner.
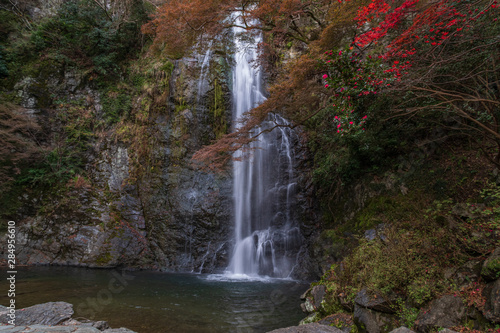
(375, 10)
(437, 22)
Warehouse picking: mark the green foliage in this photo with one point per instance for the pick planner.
(343, 159)
(218, 110)
(419, 242)
(4, 72)
(116, 104)
(398, 266)
(351, 78)
(408, 315)
(82, 34)
(492, 268)
(68, 158)
(478, 224)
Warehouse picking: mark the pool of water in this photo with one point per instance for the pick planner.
(163, 302)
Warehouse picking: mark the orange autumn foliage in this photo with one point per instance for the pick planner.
(179, 24)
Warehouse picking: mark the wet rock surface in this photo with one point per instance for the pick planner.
(170, 215)
(308, 328)
(52, 317)
(51, 313)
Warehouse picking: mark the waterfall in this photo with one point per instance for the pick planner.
(267, 238)
(203, 81)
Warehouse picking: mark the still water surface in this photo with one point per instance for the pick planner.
(154, 302)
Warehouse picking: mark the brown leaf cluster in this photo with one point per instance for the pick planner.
(17, 142)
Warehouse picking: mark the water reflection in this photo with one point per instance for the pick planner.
(159, 302)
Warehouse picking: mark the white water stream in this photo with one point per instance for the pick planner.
(267, 239)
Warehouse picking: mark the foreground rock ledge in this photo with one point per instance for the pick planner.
(52, 317)
(318, 328)
(308, 328)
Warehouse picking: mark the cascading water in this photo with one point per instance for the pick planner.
(203, 82)
(267, 239)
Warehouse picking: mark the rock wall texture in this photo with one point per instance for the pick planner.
(139, 202)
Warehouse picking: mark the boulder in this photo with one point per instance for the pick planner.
(308, 328)
(312, 318)
(444, 312)
(51, 313)
(491, 267)
(87, 330)
(318, 294)
(313, 298)
(373, 301)
(59, 329)
(492, 305)
(402, 329)
(470, 271)
(371, 321)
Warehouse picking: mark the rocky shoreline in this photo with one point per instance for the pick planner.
(57, 317)
(51, 317)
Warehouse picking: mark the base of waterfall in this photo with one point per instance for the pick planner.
(232, 277)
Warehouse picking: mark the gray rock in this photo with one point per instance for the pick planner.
(491, 267)
(304, 295)
(100, 325)
(58, 329)
(444, 312)
(467, 272)
(402, 329)
(307, 306)
(369, 320)
(308, 328)
(12, 329)
(492, 305)
(318, 293)
(87, 330)
(51, 313)
(375, 302)
(312, 318)
(370, 234)
(313, 298)
(48, 329)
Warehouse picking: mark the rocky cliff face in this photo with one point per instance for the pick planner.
(167, 214)
(138, 200)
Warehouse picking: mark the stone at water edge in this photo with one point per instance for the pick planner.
(403, 329)
(308, 328)
(51, 313)
(318, 293)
